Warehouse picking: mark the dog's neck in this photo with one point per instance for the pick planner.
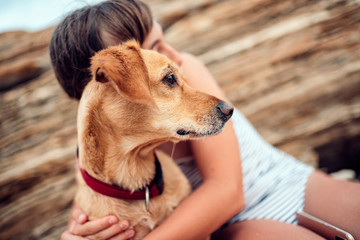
(116, 160)
(136, 167)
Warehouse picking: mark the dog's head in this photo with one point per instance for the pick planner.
(142, 94)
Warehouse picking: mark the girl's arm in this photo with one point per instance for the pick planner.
(221, 195)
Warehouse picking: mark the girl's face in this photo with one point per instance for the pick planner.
(155, 41)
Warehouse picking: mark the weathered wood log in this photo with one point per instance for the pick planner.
(292, 67)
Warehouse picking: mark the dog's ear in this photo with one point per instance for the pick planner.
(124, 68)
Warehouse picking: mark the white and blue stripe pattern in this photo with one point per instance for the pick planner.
(274, 182)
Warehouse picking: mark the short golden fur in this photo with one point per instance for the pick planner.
(129, 108)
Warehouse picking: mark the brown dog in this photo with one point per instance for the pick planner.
(136, 101)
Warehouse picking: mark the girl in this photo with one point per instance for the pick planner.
(243, 187)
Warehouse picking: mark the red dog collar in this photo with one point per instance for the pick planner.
(153, 189)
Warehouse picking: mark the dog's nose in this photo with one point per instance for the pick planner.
(225, 110)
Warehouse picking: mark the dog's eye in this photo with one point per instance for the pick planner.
(170, 79)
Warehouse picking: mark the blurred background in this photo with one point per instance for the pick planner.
(292, 67)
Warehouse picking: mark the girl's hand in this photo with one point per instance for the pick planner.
(104, 228)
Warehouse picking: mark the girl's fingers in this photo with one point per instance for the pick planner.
(116, 231)
(104, 228)
(94, 226)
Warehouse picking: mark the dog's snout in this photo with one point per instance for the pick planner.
(225, 110)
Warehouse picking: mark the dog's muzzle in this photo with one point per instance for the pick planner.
(222, 113)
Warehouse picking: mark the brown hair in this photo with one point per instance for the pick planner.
(90, 29)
